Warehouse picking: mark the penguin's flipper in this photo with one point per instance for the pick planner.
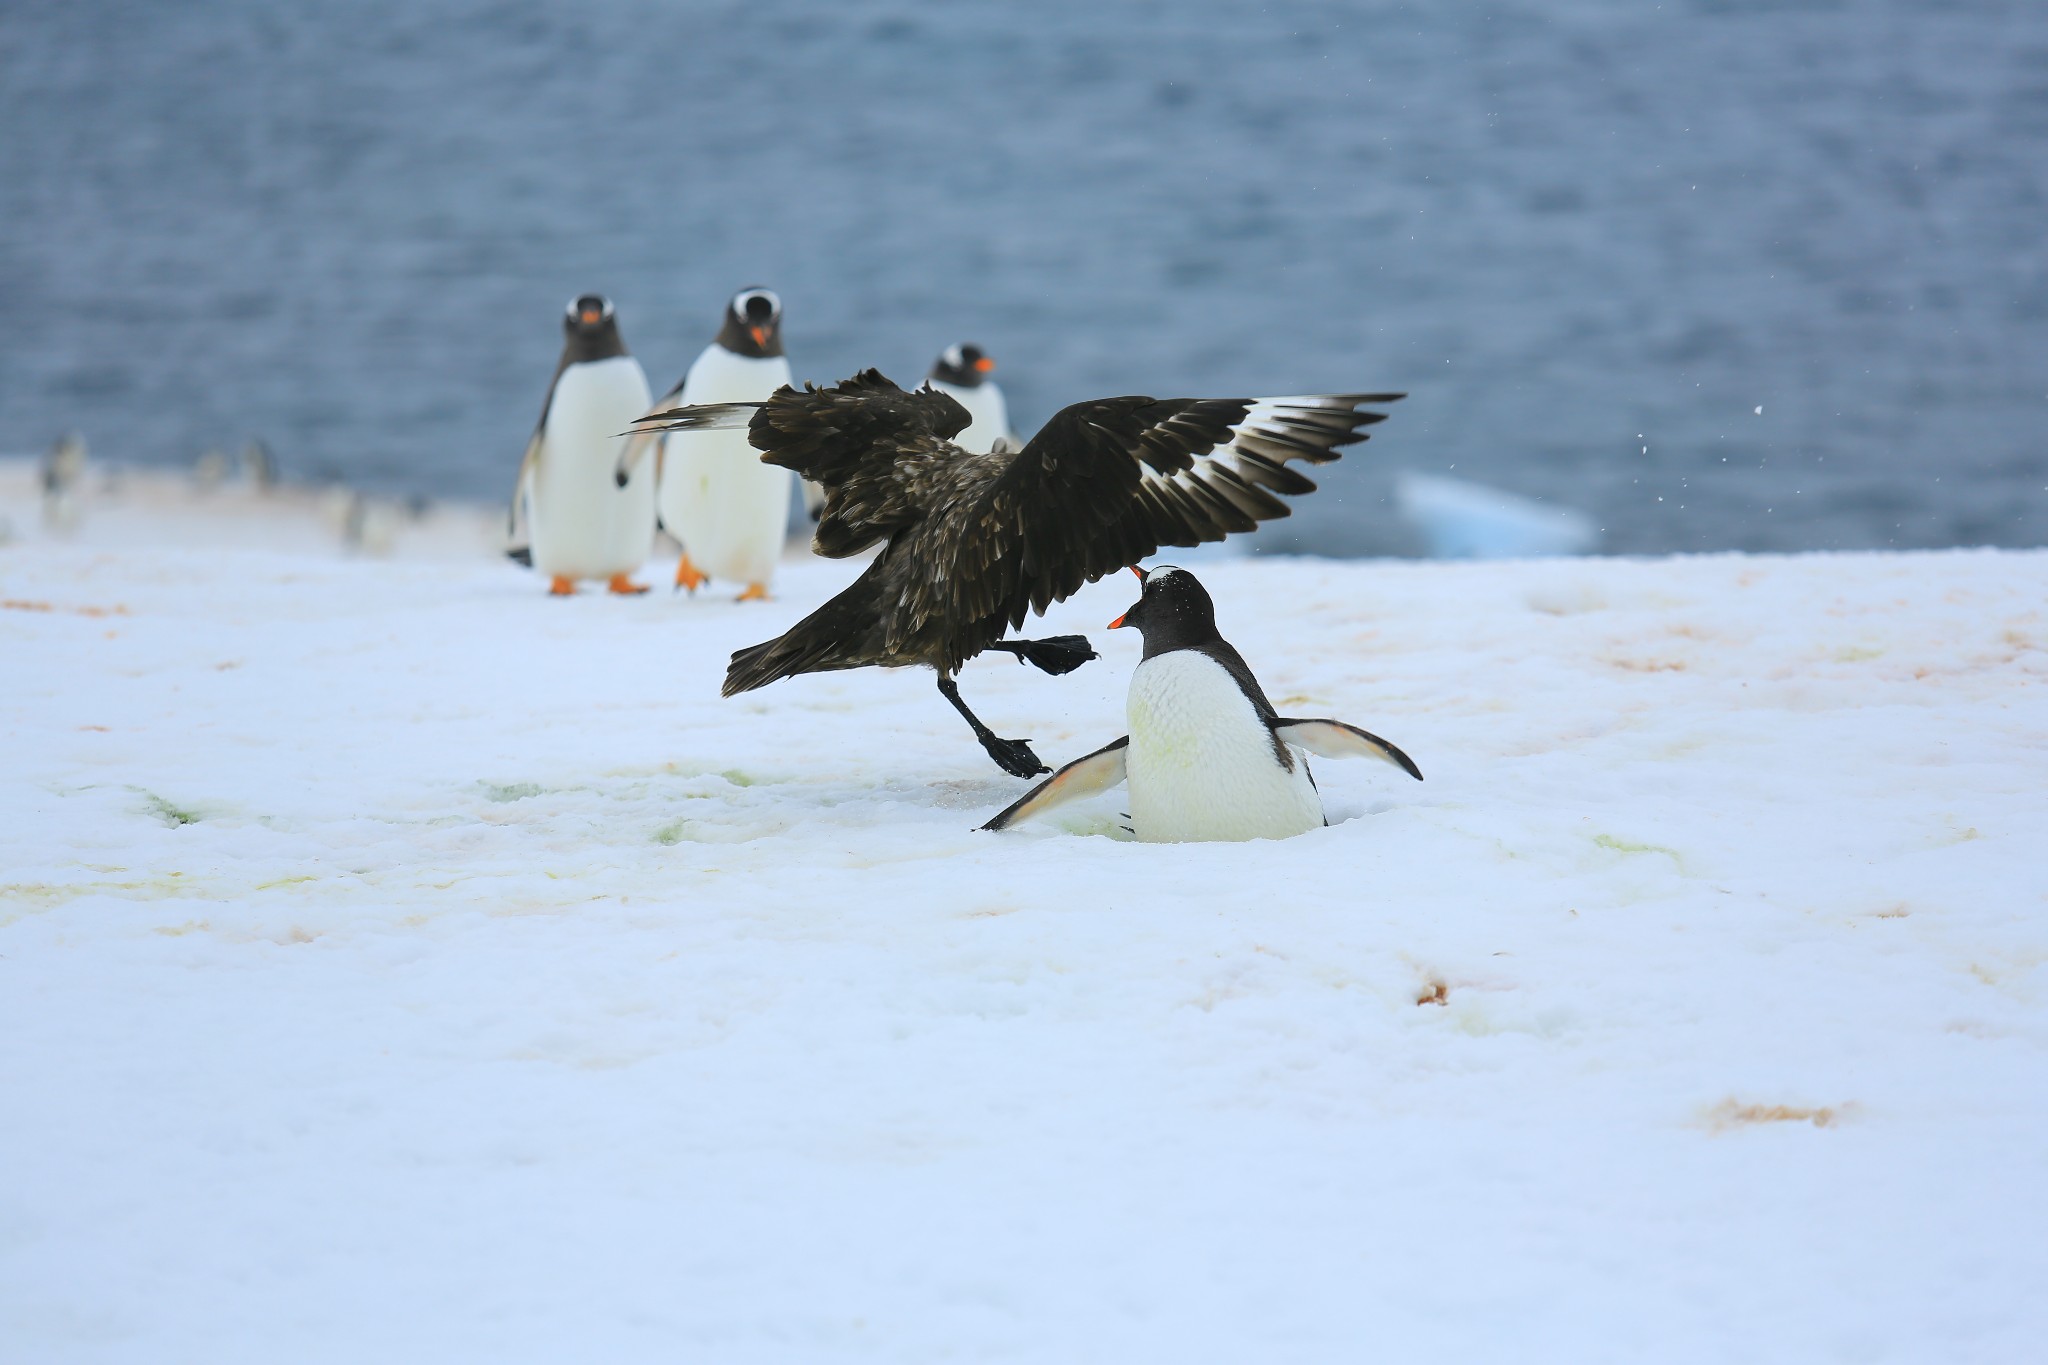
(513, 520)
(639, 441)
(521, 555)
(1335, 739)
(637, 446)
(1097, 772)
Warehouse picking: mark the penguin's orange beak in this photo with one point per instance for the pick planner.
(1117, 624)
(984, 365)
(591, 315)
(760, 335)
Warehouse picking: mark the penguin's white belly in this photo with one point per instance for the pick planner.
(1202, 764)
(583, 525)
(730, 511)
(990, 414)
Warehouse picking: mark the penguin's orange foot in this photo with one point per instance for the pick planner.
(624, 586)
(687, 575)
(562, 587)
(755, 592)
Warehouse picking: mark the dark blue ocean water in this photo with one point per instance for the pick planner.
(1571, 229)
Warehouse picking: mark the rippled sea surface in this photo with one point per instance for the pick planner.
(1591, 237)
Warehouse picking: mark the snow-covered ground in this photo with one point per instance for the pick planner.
(397, 964)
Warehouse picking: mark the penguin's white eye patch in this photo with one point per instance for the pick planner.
(953, 357)
(757, 305)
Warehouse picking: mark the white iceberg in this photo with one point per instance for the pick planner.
(1459, 519)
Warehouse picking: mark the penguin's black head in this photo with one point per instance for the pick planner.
(590, 330)
(589, 315)
(962, 366)
(1174, 611)
(753, 324)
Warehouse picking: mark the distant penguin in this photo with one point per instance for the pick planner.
(583, 523)
(729, 510)
(259, 465)
(962, 374)
(62, 476)
(211, 469)
(1207, 757)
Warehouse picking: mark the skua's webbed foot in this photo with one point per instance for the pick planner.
(1055, 655)
(1013, 756)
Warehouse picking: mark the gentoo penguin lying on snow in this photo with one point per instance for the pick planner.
(973, 542)
(962, 374)
(730, 511)
(584, 524)
(1207, 757)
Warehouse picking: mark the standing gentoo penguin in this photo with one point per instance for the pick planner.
(583, 524)
(730, 511)
(976, 541)
(962, 374)
(63, 470)
(1207, 758)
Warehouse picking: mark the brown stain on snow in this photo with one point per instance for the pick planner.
(24, 604)
(1731, 1114)
(1435, 993)
(180, 930)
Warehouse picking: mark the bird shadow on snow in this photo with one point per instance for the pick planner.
(678, 803)
(1109, 820)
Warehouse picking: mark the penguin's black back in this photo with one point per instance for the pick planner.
(1176, 612)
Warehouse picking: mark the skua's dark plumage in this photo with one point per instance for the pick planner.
(976, 541)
